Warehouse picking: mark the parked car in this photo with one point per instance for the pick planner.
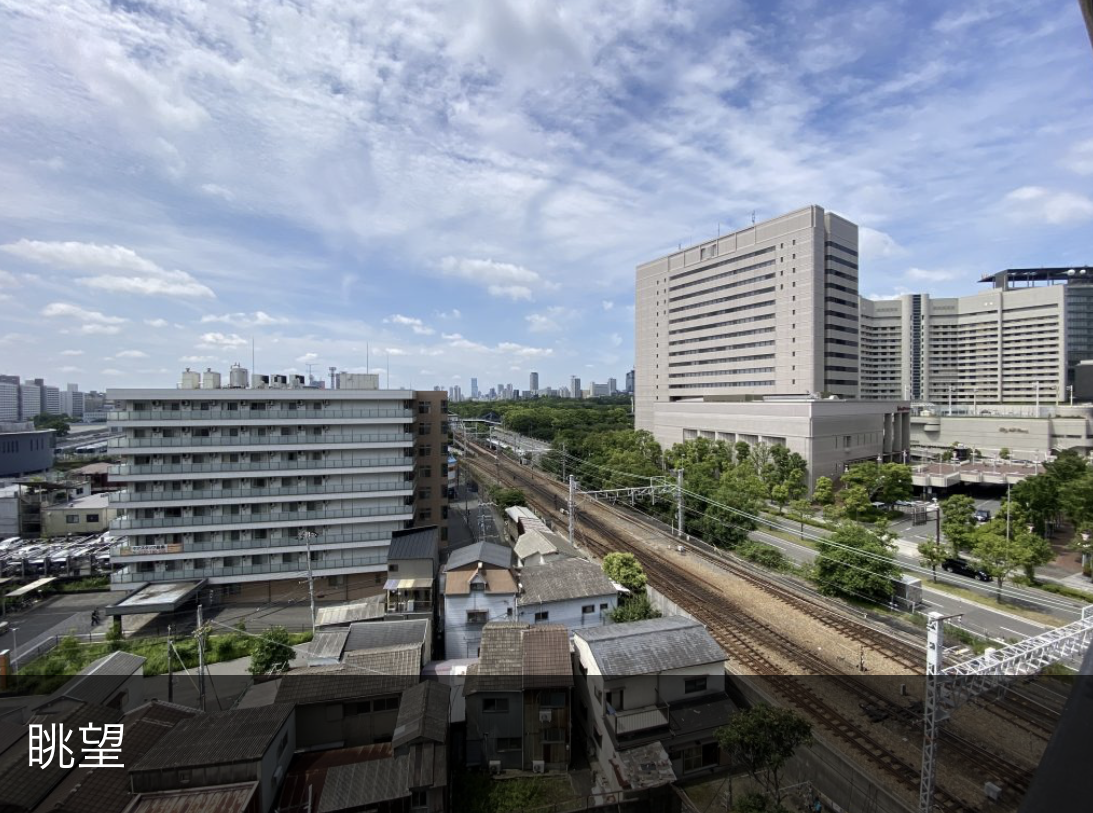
(962, 568)
(982, 515)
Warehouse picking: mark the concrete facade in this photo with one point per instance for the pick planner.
(768, 310)
(1027, 437)
(88, 514)
(829, 434)
(9, 402)
(1000, 346)
(30, 401)
(221, 483)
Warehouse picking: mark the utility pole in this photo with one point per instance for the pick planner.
(306, 536)
(170, 669)
(679, 500)
(563, 461)
(200, 658)
(569, 506)
(1008, 504)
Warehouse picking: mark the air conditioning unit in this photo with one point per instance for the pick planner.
(538, 766)
(546, 715)
(410, 606)
(185, 404)
(495, 767)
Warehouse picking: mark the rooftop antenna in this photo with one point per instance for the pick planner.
(753, 217)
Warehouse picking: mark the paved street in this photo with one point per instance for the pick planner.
(469, 520)
(57, 615)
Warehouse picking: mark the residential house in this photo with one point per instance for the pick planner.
(413, 564)
(650, 693)
(237, 747)
(344, 704)
(372, 608)
(572, 592)
(519, 698)
(355, 643)
(479, 586)
(115, 681)
(540, 547)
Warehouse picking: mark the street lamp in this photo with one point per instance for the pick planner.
(14, 650)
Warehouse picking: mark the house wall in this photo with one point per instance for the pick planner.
(547, 740)
(278, 756)
(340, 724)
(460, 639)
(486, 728)
(569, 612)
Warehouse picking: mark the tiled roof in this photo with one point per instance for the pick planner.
(348, 787)
(423, 714)
(488, 552)
(238, 735)
(516, 656)
(106, 790)
(458, 582)
(416, 543)
(306, 778)
(541, 542)
(23, 788)
(218, 799)
(375, 634)
(562, 580)
(97, 681)
(648, 647)
(364, 609)
(380, 672)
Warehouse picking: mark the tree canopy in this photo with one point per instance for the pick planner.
(856, 563)
(271, 652)
(762, 739)
(958, 521)
(625, 569)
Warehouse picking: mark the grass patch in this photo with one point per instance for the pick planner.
(1060, 590)
(479, 793)
(86, 584)
(70, 656)
(991, 601)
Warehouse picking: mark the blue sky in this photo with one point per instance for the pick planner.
(468, 187)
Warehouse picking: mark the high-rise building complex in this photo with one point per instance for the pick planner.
(474, 388)
(231, 485)
(9, 401)
(575, 386)
(533, 383)
(30, 401)
(630, 383)
(1020, 342)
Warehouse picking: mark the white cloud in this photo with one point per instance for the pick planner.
(66, 310)
(1080, 158)
(132, 354)
(524, 351)
(100, 330)
(111, 371)
(72, 352)
(615, 339)
(70, 369)
(222, 340)
(873, 244)
(500, 279)
(8, 280)
(394, 351)
(156, 322)
(1050, 206)
(241, 320)
(197, 359)
(307, 357)
(217, 191)
(551, 320)
(608, 304)
(416, 324)
(454, 313)
(126, 271)
(14, 338)
(932, 275)
(56, 163)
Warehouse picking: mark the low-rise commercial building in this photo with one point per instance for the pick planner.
(87, 514)
(24, 450)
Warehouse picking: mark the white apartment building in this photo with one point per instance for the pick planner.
(30, 401)
(1018, 343)
(223, 484)
(768, 310)
(72, 403)
(51, 400)
(9, 402)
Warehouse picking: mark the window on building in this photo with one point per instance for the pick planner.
(425, 493)
(425, 513)
(72, 519)
(552, 700)
(424, 428)
(495, 705)
(543, 615)
(847, 440)
(477, 616)
(385, 704)
(393, 568)
(426, 472)
(419, 798)
(603, 605)
(424, 407)
(695, 684)
(588, 608)
(92, 517)
(508, 743)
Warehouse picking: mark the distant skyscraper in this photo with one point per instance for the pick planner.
(575, 386)
(630, 383)
(612, 386)
(533, 383)
(474, 388)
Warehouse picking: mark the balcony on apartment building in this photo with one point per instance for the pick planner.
(199, 496)
(144, 469)
(285, 414)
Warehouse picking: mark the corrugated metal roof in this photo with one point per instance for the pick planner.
(220, 799)
(381, 673)
(376, 634)
(308, 772)
(562, 580)
(100, 680)
(648, 647)
(328, 643)
(415, 543)
(488, 552)
(238, 735)
(365, 609)
(348, 787)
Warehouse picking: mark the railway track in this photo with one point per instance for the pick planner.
(752, 643)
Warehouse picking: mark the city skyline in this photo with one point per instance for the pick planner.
(234, 190)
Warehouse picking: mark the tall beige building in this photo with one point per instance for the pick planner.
(1007, 345)
(768, 310)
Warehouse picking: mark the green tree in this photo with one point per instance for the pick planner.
(824, 492)
(780, 495)
(933, 555)
(1067, 466)
(1039, 496)
(625, 569)
(756, 803)
(997, 555)
(894, 483)
(743, 450)
(271, 652)
(958, 521)
(726, 521)
(634, 608)
(58, 423)
(507, 497)
(1076, 500)
(856, 562)
(1004, 453)
(763, 739)
(856, 501)
(947, 456)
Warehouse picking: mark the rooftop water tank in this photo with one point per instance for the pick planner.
(238, 377)
(210, 380)
(191, 380)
